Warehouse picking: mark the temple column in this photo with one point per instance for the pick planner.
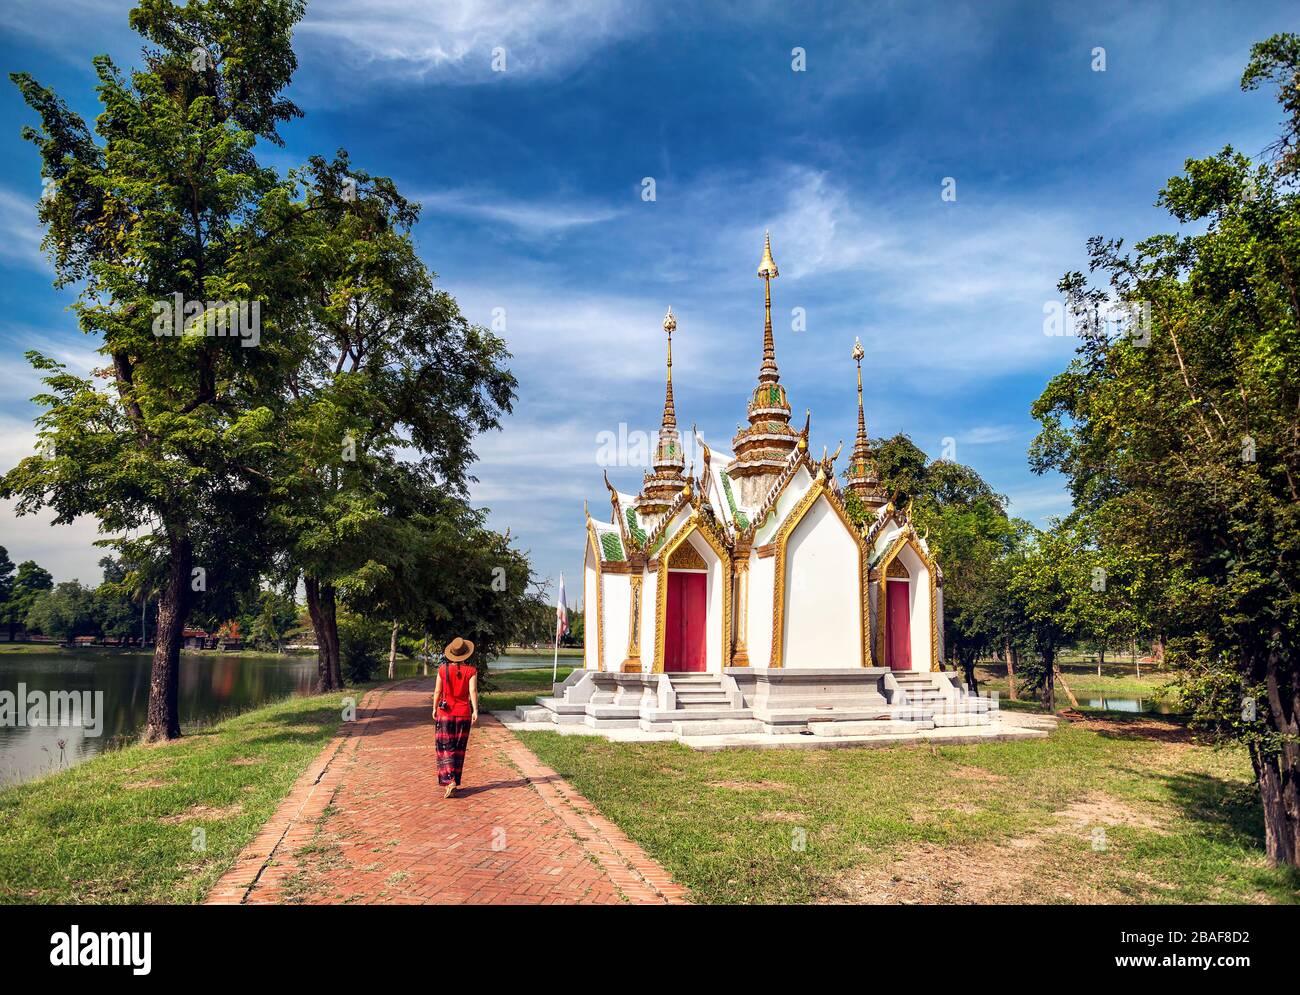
(632, 663)
(740, 574)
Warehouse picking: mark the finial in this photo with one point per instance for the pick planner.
(807, 421)
(767, 267)
(858, 351)
(838, 449)
(670, 323)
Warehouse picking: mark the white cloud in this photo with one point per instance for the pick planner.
(453, 40)
(530, 217)
(20, 231)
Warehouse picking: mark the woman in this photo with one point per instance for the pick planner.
(455, 696)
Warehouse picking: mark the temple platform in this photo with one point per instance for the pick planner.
(803, 708)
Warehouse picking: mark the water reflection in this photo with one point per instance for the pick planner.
(210, 687)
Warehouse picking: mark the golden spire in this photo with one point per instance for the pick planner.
(665, 479)
(763, 448)
(670, 411)
(858, 353)
(768, 272)
(863, 477)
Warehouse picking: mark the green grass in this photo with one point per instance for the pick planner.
(1184, 823)
(1116, 679)
(96, 833)
(511, 688)
(543, 651)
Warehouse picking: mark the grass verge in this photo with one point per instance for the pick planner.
(123, 827)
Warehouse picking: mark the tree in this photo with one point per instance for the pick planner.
(1179, 437)
(116, 607)
(66, 611)
(385, 404)
(158, 217)
(29, 583)
(1048, 587)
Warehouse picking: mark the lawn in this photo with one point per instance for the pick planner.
(121, 828)
(1117, 678)
(511, 688)
(1109, 809)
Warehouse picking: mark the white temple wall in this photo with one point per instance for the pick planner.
(590, 616)
(794, 491)
(649, 604)
(618, 606)
(822, 593)
(759, 642)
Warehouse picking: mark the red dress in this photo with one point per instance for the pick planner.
(451, 725)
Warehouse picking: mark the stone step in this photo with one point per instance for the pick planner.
(717, 727)
(533, 713)
(876, 728)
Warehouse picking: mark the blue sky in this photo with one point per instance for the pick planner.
(532, 180)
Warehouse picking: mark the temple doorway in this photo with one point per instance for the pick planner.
(687, 612)
(898, 625)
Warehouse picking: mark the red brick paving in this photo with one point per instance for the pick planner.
(516, 833)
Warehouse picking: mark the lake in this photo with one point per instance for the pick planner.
(212, 687)
(1114, 703)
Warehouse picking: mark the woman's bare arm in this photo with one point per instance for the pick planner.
(437, 689)
(473, 695)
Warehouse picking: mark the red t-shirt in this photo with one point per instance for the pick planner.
(455, 690)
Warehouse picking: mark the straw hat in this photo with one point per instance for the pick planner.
(458, 650)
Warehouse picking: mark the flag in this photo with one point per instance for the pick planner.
(561, 613)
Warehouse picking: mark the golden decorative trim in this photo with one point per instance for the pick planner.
(617, 567)
(817, 490)
(594, 545)
(765, 551)
(688, 558)
(906, 538)
(897, 569)
(696, 523)
(740, 574)
(633, 662)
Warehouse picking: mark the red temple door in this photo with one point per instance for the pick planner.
(684, 622)
(898, 626)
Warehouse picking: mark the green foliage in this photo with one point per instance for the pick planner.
(363, 644)
(65, 612)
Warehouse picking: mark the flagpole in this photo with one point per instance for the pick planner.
(555, 660)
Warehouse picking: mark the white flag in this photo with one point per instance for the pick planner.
(561, 613)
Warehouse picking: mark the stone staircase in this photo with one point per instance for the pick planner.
(699, 692)
(945, 701)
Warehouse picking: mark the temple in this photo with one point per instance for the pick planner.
(745, 599)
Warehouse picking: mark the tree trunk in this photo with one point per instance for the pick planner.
(163, 720)
(424, 657)
(1009, 654)
(1278, 770)
(1101, 658)
(968, 665)
(1061, 677)
(1049, 682)
(324, 621)
(392, 653)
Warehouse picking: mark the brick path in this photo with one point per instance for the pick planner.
(367, 823)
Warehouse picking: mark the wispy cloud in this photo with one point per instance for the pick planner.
(20, 231)
(453, 40)
(541, 216)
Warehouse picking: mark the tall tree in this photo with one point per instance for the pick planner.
(158, 217)
(386, 402)
(1181, 436)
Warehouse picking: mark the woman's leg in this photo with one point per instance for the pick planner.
(444, 743)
